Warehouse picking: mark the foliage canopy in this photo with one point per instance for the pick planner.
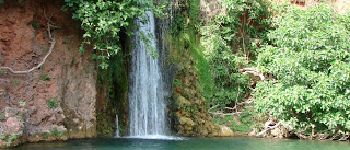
(309, 57)
(103, 21)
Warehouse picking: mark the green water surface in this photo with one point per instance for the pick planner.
(189, 144)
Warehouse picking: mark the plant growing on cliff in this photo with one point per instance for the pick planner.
(52, 103)
(45, 77)
(309, 56)
(103, 20)
(22, 103)
(56, 133)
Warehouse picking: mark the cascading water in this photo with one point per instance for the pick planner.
(147, 106)
(117, 131)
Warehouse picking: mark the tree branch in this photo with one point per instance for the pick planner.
(52, 42)
(224, 114)
(268, 128)
(253, 71)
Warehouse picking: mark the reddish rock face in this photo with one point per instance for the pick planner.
(13, 124)
(62, 90)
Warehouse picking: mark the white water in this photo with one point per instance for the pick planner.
(117, 130)
(147, 106)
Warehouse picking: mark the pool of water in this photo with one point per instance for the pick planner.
(189, 144)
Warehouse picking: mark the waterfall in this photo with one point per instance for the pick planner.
(147, 118)
(117, 130)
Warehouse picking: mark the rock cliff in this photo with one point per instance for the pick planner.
(57, 100)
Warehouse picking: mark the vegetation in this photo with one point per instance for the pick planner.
(308, 56)
(241, 21)
(52, 103)
(303, 54)
(104, 20)
(306, 53)
(231, 40)
(9, 139)
(56, 133)
(45, 77)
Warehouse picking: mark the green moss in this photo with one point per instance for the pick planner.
(202, 65)
(187, 35)
(114, 81)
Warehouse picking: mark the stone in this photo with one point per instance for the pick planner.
(225, 131)
(10, 112)
(182, 101)
(253, 132)
(204, 132)
(76, 120)
(73, 86)
(186, 121)
(275, 132)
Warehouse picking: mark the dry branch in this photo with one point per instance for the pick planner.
(225, 114)
(52, 42)
(268, 128)
(253, 71)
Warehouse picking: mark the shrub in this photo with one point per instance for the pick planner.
(309, 56)
(52, 103)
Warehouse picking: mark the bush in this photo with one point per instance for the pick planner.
(52, 103)
(309, 57)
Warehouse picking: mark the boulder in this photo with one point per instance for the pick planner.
(277, 132)
(225, 131)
